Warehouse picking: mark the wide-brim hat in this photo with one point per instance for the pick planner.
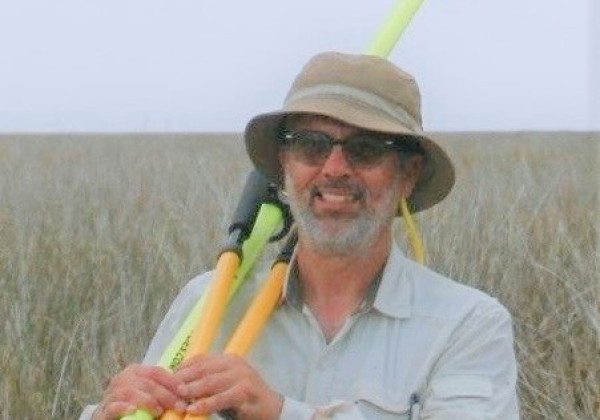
(364, 91)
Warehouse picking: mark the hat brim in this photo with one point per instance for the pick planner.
(262, 144)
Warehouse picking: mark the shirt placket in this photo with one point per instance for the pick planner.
(322, 374)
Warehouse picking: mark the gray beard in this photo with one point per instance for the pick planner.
(342, 236)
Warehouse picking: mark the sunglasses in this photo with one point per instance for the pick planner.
(360, 150)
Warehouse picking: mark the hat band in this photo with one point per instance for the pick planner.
(359, 95)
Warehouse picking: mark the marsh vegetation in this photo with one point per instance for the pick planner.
(98, 233)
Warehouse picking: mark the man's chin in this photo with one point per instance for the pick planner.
(344, 210)
(335, 215)
(335, 224)
(336, 240)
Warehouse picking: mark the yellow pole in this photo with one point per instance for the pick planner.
(382, 45)
(416, 243)
(258, 313)
(256, 317)
(205, 332)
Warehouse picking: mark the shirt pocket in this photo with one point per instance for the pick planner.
(377, 401)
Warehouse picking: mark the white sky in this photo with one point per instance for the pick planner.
(210, 65)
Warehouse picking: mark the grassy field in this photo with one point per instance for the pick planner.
(97, 234)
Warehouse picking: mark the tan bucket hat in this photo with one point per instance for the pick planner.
(364, 91)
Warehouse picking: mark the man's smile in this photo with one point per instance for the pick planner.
(336, 198)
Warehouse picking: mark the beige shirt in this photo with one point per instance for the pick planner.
(420, 346)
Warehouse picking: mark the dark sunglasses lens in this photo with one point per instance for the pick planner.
(365, 150)
(311, 146)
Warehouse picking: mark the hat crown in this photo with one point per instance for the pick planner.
(371, 75)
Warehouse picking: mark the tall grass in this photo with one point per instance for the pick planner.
(97, 234)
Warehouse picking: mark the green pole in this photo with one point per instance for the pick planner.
(394, 27)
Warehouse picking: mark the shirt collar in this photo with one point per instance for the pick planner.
(390, 293)
(395, 294)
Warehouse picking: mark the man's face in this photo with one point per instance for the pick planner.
(341, 207)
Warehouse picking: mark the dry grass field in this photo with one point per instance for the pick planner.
(97, 234)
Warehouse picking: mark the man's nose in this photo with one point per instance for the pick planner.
(336, 164)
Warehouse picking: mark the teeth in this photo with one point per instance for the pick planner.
(337, 198)
(336, 194)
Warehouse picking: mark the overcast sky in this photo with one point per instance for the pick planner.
(210, 65)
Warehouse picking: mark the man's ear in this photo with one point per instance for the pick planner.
(411, 172)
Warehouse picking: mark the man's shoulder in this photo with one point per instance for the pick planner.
(435, 294)
(198, 284)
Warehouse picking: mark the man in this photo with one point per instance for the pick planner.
(361, 331)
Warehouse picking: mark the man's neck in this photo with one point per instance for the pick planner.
(334, 286)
